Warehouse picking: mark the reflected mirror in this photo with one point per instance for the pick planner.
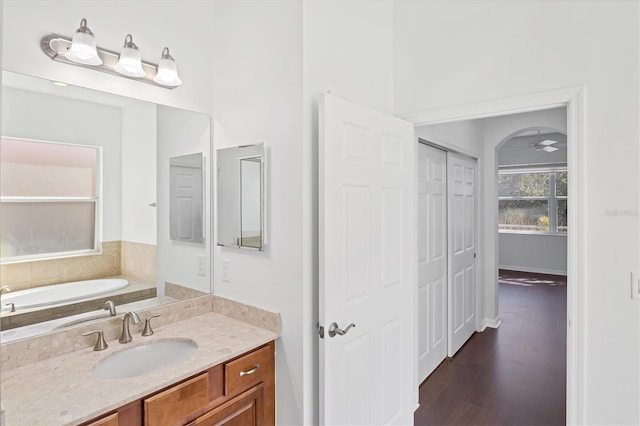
(87, 200)
(186, 198)
(241, 207)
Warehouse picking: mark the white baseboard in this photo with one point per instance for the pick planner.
(533, 270)
(491, 323)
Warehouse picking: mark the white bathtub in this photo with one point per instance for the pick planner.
(61, 293)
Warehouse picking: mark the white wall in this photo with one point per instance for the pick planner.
(257, 96)
(466, 137)
(348, 50)
(459, 53)
(545, 254)
(32, 115)
(183, 26)
(138, 188)
(181, 132)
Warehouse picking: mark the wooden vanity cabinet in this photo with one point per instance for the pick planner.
(239, 392)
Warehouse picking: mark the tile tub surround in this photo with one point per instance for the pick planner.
(24, 275)
(138, 261)
(93, 317)
(135, 291)
(74, 394)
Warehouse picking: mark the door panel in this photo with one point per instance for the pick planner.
(367, 265)
(432, 259)
(463, 210)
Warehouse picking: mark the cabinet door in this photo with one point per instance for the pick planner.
(247, 409)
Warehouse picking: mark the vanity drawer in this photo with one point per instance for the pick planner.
(173, 405)
(110, 420)
(248, 370)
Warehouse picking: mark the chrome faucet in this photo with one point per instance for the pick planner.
(111, 307)
(125, 337)
(7, 289)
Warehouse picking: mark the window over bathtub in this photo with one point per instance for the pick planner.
(532, 200)
(49, 199)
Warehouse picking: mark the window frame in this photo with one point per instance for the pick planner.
(96, 201)
(552, 199)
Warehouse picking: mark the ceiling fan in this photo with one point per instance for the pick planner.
(538, 142)
(544, 145)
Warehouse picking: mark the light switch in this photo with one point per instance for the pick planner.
(201, 268)
(226, 270)
(635, 286)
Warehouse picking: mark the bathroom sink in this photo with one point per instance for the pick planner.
(143, 359)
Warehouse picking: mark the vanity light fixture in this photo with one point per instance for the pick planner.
(82, 51)
(83, 46)
(167, 71)
(130, 61)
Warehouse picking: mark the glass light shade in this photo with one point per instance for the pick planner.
(83, 47)
(167, 74)
(130, 62)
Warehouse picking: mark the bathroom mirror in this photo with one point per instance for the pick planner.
(137, 141)
(241, 199)
(186, 198)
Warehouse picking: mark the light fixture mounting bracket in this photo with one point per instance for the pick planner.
(55, 46)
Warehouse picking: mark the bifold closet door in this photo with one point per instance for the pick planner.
(462, 172)
(432, 259)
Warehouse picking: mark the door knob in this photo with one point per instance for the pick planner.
(334, 329)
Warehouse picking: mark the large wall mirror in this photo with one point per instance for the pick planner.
(241, 199)
(109, 159)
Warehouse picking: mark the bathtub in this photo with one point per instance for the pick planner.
(61, 293)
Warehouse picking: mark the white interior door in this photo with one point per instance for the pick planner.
(432, 259)
(185, 204)
(367, 265)
(462, 173)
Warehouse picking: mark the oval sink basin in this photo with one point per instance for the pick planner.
(143, 359)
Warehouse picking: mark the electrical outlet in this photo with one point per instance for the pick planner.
(226, 270)
(201, 267)
(635, 286)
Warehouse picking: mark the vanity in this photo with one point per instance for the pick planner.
(229, 379)
(239, 391)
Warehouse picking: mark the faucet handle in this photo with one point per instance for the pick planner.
(111, 307)
(12, 307)
(148, 331)
(100, 345)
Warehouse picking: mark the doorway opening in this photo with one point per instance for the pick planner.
(467, 119)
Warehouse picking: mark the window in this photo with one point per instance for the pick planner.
(48, 199)
(532, 200)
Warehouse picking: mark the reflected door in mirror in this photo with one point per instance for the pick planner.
(186, 198)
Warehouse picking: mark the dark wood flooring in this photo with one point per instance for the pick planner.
(513, 375)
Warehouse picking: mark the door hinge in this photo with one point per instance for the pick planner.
(474, 255)
(320, 330)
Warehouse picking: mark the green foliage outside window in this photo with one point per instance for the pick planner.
(528, 201)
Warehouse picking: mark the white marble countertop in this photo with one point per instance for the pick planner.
(63, 390)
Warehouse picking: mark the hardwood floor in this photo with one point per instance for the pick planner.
(515, 375)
